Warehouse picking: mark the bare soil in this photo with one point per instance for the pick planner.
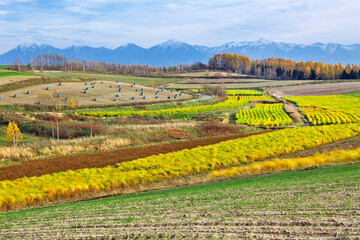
(75, 91)
(317, 89)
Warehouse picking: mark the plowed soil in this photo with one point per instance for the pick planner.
(317, 89)
(102, 159)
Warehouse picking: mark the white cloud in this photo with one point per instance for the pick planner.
(112, 22)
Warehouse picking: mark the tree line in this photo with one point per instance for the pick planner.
(280, 68)
(271, 68)
(55, 62)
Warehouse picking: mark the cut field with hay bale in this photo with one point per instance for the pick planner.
(81, 94)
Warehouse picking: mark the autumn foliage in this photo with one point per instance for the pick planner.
(279, 68)
(13, 133)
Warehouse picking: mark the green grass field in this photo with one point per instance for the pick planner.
(317, 203)
(5, 73)
(26, 139)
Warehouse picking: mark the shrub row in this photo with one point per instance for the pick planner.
(195, 109)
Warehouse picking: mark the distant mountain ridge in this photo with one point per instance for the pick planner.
(175, 52)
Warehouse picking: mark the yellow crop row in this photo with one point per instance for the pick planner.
(248, 98)
(238, 92)
(51, 187)
(330, 109)
(264, 115)
(279, 165)
(196, 109)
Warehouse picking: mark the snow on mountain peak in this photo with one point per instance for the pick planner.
(172, 43)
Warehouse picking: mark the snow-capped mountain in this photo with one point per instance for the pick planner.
(175, 52)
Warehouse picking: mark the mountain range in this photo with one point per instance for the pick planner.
(175, 52)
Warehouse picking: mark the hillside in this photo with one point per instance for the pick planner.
(318, 203)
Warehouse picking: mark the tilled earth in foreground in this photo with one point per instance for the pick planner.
(318, 203)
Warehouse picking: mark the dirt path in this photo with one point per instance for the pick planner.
(303, 118)
(102, 159)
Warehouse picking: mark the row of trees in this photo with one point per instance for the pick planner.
(279, 68)
(51, 62)
(273, 68)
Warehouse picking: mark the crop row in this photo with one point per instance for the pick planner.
(195, 109)
(330, 109)
(277, 165)
(87, 182)
(248, 98)
(264, 115)
(318, 116)
(239, 92)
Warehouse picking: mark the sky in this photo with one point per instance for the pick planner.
(111, 23)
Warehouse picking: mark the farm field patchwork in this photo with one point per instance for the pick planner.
(63, 185)
(317, 203)
(329, 109)
(81, 94)
(38, 167)
(264, 115)
(261, 84)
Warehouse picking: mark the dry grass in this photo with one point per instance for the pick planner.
(16, 153)
(75, 91)
(62, 147)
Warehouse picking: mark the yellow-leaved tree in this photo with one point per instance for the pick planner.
(13, 133)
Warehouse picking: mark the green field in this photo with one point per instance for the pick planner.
(318, 203)
(26, 139)
(6, 73)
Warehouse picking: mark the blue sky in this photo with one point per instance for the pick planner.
(111, 23)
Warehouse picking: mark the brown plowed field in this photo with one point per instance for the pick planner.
(102, 159)
(317, 89)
